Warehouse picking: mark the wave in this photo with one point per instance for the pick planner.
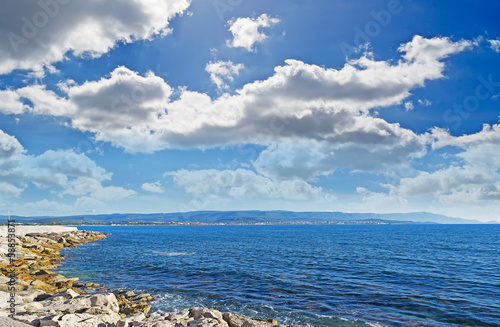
(173, 254)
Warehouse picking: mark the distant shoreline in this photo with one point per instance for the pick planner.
(249, 217)
(244, 224)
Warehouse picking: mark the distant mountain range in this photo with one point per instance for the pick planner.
(247, 217)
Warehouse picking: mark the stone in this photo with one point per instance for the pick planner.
(68, 294)
(243, 321)
(108, 299)
(199, 313)
(42, 297)
(141, 297)
(79, 320)
(132, 321)
(91, 286)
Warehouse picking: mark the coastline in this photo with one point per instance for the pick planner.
(31, 293)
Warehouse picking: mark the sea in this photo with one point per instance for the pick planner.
(310, 275)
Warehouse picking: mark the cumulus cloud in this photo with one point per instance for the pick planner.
(409, 106)
(10, 102)
(473, 178)
(495, 45)
(223, 70)
(425, 50)
(244, 184)
(367, 144)
(9, 190)
(35, 34)
(490, 134)
(9, 147)
(92, 187)
(153, 187)
(246, 31)
(320, 109)
(64, 171)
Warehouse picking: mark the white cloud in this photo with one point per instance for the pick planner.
(246, 31)
(223, 70)
(153, 187)
(38, 33)
(9, 190)
(382, 200)
(425, 102)
(307, 105)
(409, 106)
(244, 184)
(367, 144)
(472, 179)
(65, 172)
(490, 134)
(431, 50)
(9, 147)
(495, 45)
(85, 186)
(46, 206)
(10, 102)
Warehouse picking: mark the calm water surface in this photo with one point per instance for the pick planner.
(358, 275)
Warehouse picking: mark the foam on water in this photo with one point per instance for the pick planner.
(173, 254)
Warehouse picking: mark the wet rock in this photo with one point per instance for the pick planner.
(91, 286)
(243, 321)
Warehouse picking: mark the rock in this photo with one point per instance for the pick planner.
(146, 297)
(108, 299)
(132, 321)
(207, 322)
(243, 321)
(80, 320)
(199, 313)
(30, 307)
(68, 294)
(91, 286)
(43, 272)
(182, 317)
(128, 294)
(4, 321)
(43, 286)
(42, 297)
(128, 307)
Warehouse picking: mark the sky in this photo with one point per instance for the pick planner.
(147, 106)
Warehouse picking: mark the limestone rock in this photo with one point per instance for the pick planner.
(243, 321)
(131, 321)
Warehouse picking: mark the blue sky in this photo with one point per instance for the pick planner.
(178, 105)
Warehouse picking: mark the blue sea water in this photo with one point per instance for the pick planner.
(313, 275)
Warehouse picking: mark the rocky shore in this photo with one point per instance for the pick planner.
(31, 293)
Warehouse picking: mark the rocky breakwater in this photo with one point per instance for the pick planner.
(44, 298)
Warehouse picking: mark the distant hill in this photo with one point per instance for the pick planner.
(233, 217)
